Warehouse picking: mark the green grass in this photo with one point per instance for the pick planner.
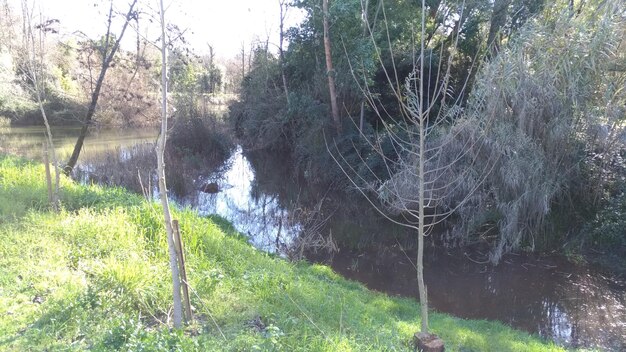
(95, 276)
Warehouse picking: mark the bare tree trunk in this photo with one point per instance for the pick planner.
(180, 250)
(283, 13)
(107, 57)
(329, 70)
(46, 164)
(243, 61)
(366, 27)
(178, 308)
(36, 79)
(54, 200)
(54, 194)
(362, 116)
(422, 160)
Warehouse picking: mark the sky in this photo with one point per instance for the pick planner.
(225, 24)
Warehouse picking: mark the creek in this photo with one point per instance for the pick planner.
(574, 305)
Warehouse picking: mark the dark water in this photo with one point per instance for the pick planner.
(576, 306)
(572, 305)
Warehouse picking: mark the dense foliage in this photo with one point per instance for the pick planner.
(542, 83)
(560, 121)
(265, 120)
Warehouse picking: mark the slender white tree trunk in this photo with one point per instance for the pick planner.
(283, 14)
(420, 237)
(329, 68)
(422, 160)
(57, 172)
(178, 307)
(422, 115)
(35, 49)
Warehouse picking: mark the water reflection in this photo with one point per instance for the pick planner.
(255, 214)
(27, 141)
(133, 167)
(574, 305)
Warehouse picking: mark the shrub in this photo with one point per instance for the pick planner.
(204, 138)
(551, 90)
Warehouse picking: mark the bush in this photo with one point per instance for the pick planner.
(551, 90)
(607, 231)
(196, 137)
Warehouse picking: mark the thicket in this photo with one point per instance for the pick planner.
(265, 120)
(203, 138)
(545, 91)
(198, 131)
(558, 101)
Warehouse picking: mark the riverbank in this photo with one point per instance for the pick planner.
(95, 276)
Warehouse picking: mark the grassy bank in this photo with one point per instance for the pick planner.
(96, 277)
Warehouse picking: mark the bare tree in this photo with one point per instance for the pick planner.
(433, 139)
(7, 26)
(329, 68)
(281, 55)
(160, 150)
(109, 49)
(33, 70)
(364, 13)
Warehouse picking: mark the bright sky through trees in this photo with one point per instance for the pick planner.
(223, 24)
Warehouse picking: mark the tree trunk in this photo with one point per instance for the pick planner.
(498, 19)
(86, 123)
(243, 61)
(178, 307)
(53, 194)
(46, 164)
(107, 57)
(180, 252)
(283, 12)
(329, 70)
(365, 26)
(38, 84)
(422, 160)
(420, 236)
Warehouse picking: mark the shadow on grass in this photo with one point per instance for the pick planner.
(226, 227)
